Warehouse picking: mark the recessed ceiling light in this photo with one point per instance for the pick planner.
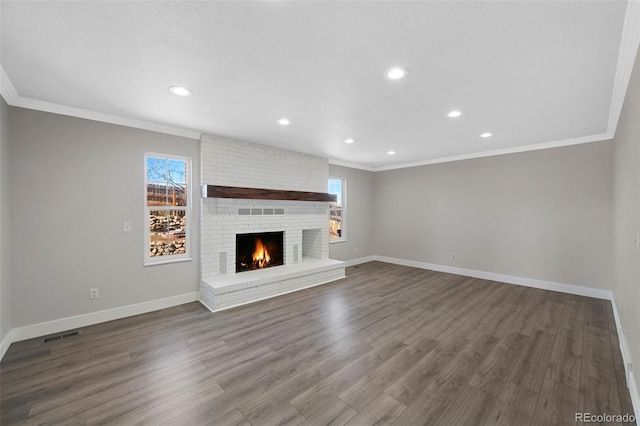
(395, 73)
(454, 114)
(284, 122)
(485, 135)
(391, 152)
(349, 141)
(180, 91)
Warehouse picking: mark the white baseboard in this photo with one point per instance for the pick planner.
(63, 324)
(358, 261)
(627, 360)
(527, 282)
(635, 397)
(624, 348)
(6, 342)
(545, 285)
(56, 326)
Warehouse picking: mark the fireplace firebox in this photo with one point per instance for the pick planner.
(259, 250)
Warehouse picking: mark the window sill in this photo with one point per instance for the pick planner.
(164, 262)
(338, 240)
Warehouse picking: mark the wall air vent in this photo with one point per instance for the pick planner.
(222, 263)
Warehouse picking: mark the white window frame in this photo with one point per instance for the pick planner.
(183, 257)
(343, 201)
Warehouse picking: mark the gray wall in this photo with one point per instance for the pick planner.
(626, 287)
(544, 215)
(359, 214)
(5, 276)
(73, 183)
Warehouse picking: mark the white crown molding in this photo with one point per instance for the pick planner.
(513, 150)
(12, 98)
(629, 44)
(102, 117)
(351, 165)
(630, 41)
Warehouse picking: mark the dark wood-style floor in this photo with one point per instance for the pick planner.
(388, 344)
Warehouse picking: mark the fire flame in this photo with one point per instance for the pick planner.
(260, 255)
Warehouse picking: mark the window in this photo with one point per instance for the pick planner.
(337, 209)
(167, 208)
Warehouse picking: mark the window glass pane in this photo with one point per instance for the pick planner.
(177, 181)
(178, 232)
(158, 233)
(157, 169)
(177, 220)
(177, 171)
(335, 187)
(156, 194)
(156, 181)
(167, 232)
(166, 182)
(335, 224)
(335, 209)
(177, 195)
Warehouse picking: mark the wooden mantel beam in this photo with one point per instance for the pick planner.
(216, 191)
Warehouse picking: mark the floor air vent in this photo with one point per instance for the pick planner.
(60, 336)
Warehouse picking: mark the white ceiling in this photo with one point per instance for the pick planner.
(529, 72)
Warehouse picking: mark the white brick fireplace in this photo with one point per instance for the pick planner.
(234, 163)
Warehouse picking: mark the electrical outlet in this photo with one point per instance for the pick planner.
(93, 293)
(453, 256)
(355, 249)
(127, 226)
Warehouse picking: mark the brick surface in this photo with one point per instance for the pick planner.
(236, 163)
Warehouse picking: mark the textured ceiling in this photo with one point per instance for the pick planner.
(528, 72)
